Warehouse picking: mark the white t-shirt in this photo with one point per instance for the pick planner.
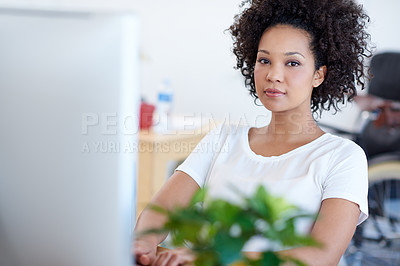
(328, 167)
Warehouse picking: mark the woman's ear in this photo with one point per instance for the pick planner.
(319, 76)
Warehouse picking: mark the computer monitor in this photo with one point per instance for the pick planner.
(69, 97)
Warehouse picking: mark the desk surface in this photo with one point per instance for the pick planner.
(156, 151)
(173, 135)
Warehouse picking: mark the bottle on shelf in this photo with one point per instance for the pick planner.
(162, 119)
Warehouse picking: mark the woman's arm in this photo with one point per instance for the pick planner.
(177, 191)
(334, 228)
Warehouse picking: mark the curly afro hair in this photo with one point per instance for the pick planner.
(338, 40)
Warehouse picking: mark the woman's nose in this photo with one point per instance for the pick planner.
(275, 74)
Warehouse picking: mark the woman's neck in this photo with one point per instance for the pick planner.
(292, 126)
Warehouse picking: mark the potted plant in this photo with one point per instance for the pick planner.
(217, 231)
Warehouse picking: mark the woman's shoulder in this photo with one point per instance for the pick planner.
(342, 146)
(339, 141)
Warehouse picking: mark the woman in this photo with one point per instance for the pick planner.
(298, 58)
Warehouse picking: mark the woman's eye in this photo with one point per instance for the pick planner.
(293, 63)
(263, 61)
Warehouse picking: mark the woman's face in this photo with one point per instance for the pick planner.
(285, 72)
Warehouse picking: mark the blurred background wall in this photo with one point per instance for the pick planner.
(185, 42)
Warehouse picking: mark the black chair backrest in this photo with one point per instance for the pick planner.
(379, 140)
(385, 83)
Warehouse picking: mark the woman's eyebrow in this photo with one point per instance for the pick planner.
(294, 53)
(263, 51)
(286, 54)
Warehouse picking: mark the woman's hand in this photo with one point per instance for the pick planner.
(174, 257)
(144, 251)
(176, 192)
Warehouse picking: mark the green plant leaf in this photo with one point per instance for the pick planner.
(198, 197)
(270, 259)
(228, 247)
(223, 212)
(217, 231)
(158, 209)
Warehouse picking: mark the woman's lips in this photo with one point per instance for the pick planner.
(273, 92)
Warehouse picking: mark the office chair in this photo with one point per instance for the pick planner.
(377, 241)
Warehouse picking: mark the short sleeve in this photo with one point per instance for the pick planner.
(348, 177)
(198, 163)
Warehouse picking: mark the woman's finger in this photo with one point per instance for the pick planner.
(174, 257)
